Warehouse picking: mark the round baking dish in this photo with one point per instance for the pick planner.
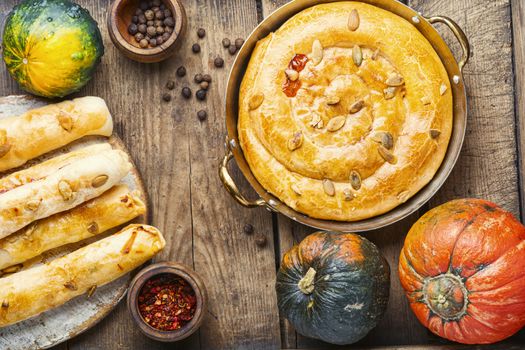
(454, 70)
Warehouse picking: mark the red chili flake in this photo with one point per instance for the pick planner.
(297, 63)
(167, 302)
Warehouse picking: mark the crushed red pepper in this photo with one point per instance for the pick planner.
(167, 302)
(297, 63)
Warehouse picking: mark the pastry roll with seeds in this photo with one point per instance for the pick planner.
(69, 186)
(112, 208)
(28, 293)
(44, 129)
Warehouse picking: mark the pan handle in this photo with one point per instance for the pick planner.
(458, 33)
(232, 188)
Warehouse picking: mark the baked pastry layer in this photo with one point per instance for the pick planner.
(358, 130)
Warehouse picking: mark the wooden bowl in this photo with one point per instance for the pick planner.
(189, 276)
(119, 18)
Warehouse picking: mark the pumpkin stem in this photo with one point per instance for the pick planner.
(306, 284)
(446, 296)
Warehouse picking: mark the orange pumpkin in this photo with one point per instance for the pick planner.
(463, 269)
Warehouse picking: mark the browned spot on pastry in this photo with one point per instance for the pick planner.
(296, 141)
(5, 304)
(355, 180)
(65, 121)
(71, 285)
(386, 155)
(329, 187)
(64, 187)
(353, 20)
(99, 180)
(357, 106)
(255, 101)
(93, 228)
(348, 194)
(120, 267)
(336, 123)
(357, 55)
(434, 133)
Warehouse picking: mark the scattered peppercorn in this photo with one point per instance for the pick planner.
(239, 42)
(260, 240)
(201, 33)
(202, 115)
(206, 78)
(201, 94)
(198, 78)
(248, 229)
(166, 97)
(226, 43)
(204, 85)
(218, 62)
(133, 29)
(196, 48)
(186, 92)
(181, 71)
(170, 85)
(232, 49)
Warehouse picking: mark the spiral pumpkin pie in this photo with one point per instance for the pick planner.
(345, 111)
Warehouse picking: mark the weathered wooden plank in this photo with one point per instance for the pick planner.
(518, 28)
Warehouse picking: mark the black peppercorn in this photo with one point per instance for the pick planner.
(168, 30)
(142, 19)
(239, 42)
(159, 30)
(218, 62)
(186, 92)
(260, 240)
(162, 7)
(150, 23)
(158, 23)
(248, 229)
(159, 15)
(226, 43)
(201, 33)
(138, 12)
(181, 71)
(133, 29)
(170, 85)
(166, 36)
(142, 28)
(196, 48)
(160, 41)
(232, 49)
(155, 2)
(155, 9)
(204, 85)
(135, 19)
(207, 78)
(198, 78)
(143, 5)
(153, 42)
(202, 115)
(201, 94)
(166, 97)
(169, 21)
(151, 31)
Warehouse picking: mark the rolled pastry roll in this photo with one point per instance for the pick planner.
(30, 292)
(112, 208)
(44, 129)
(44, 169)
(66, 188)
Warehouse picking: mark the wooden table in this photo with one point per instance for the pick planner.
(178, 158)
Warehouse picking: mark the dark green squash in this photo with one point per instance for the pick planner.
(333, 287)
(51, 47)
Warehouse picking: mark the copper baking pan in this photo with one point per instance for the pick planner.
(454, 69)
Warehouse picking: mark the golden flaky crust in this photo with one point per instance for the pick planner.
(44, 129)
(369, 125)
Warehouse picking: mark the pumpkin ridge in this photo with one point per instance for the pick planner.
(412, 268)
(467, 224)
